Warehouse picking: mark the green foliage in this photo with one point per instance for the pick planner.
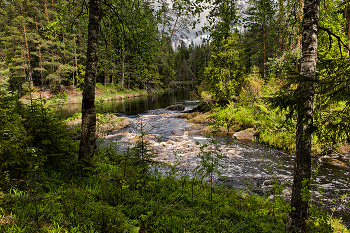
(32, 138)
(305, 191)
(209, 161)
(80, 77)
(13, 143)
(276, 128)
(239, 117)
(225, 73)
(283, 138)
(68, 209)
(142, 152)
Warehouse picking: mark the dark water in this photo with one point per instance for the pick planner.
(133, 106)
(245, 165)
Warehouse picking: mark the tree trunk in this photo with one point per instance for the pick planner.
(348, 32)
(40, 57)
(88, 126)
(346, 14)
(302, 171)
(280, 18)
(46, 12)
(171, 37)
(299, 44)
(264, 46)
(105, 74)
(123, 68)
(30, 71)
(75, 58)
(128, 75)
(23, 60)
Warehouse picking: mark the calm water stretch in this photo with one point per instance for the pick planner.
(247, 166)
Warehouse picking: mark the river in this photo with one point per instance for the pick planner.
(245, 165)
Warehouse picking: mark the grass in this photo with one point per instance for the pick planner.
(110, 92)
(116, 194)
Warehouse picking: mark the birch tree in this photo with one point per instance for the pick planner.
(305, 110)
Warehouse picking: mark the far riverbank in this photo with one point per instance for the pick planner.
(73, 95)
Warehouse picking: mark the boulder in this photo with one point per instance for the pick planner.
(178, 132)
(247, 134)
(336, 162)
(175, 107)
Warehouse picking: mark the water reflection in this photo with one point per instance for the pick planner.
(131, 106)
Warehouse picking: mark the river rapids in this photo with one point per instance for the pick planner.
(244, 165)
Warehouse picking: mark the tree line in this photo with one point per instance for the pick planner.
(43, 43)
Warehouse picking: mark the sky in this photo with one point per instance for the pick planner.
(241, 6)
(192, 34)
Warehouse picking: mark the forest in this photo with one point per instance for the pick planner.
(280, 68)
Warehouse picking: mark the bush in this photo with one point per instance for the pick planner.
(32, 138)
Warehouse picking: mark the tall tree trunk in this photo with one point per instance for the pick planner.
(346, 15)
(347, 22)
(76, 60)
(264, 46)
(23, 60)
(348, 37)
(40, 57)
(161, 40)
(302, 170)
(46, 12)
(88, 126)
(30, 71)
(194, 64)
(128, 74)
(299, 44)
(105, 74)
(280, 18)
(171, 37)
(123, 67)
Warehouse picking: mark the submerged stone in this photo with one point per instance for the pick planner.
(175, 107)
(336, 162)
(247, 134)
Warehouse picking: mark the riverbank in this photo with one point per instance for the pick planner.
(269, 127)
(73, 95)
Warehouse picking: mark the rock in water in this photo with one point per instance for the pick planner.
(177, 107)
(247, 134)
(336, 162)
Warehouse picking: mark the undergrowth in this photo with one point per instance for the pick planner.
(253, 108)
(116, 195)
